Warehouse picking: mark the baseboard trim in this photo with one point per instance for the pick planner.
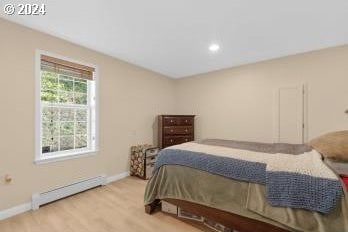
(7, 213)
(117, 177)
(15, 210)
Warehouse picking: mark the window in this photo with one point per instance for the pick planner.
(67, 109)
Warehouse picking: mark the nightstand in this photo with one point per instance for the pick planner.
(143, 159)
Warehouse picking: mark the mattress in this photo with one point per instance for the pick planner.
(241, 197)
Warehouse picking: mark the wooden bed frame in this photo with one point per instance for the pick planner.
(237, 222)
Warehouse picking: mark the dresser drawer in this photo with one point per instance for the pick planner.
(186, 121)
(178, 130)
(174, 140)
(151, 152)
(151, 160)
(171, 121)
(151, 155)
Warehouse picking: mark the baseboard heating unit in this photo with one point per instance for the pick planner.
(65, 191)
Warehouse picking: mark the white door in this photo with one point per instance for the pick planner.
(291, 115)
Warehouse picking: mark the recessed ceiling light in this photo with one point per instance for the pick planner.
(214, 47)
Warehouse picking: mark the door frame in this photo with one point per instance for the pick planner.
(276, 111)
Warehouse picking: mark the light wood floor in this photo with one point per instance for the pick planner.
(115, 207)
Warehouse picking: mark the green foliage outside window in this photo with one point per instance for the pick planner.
(63, 128)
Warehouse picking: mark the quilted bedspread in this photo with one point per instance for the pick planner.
(297, 181)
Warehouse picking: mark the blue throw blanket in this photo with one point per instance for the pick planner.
(284, 188)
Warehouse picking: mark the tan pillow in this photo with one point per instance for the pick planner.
(332, 145)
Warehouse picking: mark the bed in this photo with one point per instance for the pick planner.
(258, 195)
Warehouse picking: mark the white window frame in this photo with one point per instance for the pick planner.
(93, 123)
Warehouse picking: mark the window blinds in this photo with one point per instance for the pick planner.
(63, 67)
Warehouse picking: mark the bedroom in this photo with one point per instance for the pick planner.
(260, 72)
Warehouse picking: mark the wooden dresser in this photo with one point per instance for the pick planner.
(175, 129)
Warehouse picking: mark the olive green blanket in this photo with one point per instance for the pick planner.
(242, 198)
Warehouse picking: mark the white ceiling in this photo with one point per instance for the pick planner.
(172, 37)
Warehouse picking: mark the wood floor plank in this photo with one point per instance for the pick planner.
(111, 208)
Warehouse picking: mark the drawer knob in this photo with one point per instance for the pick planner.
(171, 130)
(171, 140)
(171, 120)
(186, 130)
(186, 120)
(186, 140)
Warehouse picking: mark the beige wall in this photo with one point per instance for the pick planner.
(130, 98)
(233, 104)
(237, 103)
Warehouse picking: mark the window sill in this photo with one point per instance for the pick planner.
(63, 157)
